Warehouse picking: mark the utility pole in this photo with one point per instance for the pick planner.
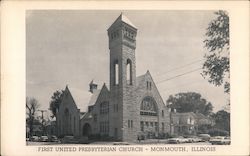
(42, 111)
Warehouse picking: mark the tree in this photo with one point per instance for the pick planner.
(216, 65)
(31, 108)
(190, 102)
(55, 102)
(222, 120)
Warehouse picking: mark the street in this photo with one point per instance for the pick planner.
(146, 142)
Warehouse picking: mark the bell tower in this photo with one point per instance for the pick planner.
(122, 44)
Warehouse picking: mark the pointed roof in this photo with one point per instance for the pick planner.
(78, 96)
(142, 78)
(94, 97)
(96, 94)
(124, 19)
(87, 115)
(201, 116)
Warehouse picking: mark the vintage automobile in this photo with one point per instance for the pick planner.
(177, 140)
(53, 138)
(34, 138)
(204, 137)
(44, 139)
(193, 139)
(220, 140)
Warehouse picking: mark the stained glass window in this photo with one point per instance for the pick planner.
(148, 106)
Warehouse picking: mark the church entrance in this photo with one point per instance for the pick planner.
(86, 129)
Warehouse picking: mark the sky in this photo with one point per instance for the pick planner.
(70, 47)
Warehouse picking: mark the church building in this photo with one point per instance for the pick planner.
(130, 106)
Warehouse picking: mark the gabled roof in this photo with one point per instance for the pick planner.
(124, 19)
(86, 116)
(78, 97)
(82, 114)
(96, 94)
(94, 97)
(195, 115)
(201, 116)
(142, 78)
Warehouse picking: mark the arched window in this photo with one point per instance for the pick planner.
(104, 107)
(148, 106)
(116, 69)
(129, 72)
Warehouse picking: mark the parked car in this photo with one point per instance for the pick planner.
(44, 138)
(34, 138)
(204, 137)
(192, 139)
(220, 140)
(173, 141)
(183, 140)
(197, 139)
(53, 138)
(69, 139)
(177, 140)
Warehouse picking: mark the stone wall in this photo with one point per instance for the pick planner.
(68, 125)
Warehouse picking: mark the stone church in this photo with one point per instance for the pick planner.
(129, 107)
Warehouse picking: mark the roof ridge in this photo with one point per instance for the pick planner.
(124, 19)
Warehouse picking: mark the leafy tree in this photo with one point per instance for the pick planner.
(190, 102)
(216, 66)
(222, 120)
(55, 102)
(31, 109)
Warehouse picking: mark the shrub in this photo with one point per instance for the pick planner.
(94, 137)
(60, 136)
(163, 136)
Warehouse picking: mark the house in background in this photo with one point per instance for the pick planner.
(188, 123)
(50, 127)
